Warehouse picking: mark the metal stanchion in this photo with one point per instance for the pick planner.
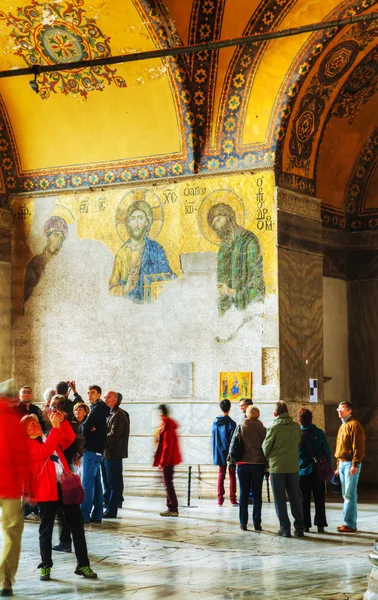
(188, 505)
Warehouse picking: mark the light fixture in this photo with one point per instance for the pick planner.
(34, 83)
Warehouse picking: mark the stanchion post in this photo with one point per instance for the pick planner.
(189, 483)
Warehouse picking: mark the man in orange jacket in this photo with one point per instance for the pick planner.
(14, 473)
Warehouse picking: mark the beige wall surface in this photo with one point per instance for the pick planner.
(5, 322)
(73, 325)
(335, 340)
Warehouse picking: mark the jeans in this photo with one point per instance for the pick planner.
(91, 481)
(282, 483)
(172, 503)
(311, 484)
(349, 490)
(251, 478)
(112, 468)
(221, 477)
(72, 515)
(13, 525)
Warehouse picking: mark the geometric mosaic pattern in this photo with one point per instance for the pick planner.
(192, 80)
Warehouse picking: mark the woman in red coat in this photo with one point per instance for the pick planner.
(47, 463)
(166, 457)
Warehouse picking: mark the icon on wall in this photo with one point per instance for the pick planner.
(181, 379)
(235, 385)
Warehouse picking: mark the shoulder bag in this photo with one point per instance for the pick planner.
(236, 447)
(323, 469)
(72, 490)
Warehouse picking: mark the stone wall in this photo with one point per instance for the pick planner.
(70, 325)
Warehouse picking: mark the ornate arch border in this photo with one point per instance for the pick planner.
(296, 78)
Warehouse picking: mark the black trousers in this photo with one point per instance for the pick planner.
(310, 484)
(72, 515)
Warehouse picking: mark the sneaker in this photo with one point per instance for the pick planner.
(33, 518)
(6, 588)
(285, 534)
(169, 513)
(243, 527)
(235, 503)
(346, 529)
(62, 548)
(86, 572)
(298, 533)
(44, 573)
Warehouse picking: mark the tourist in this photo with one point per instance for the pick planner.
(94, 432)
(117, 441)
(350, 450)
(281, 449)
(167, 456)
(222, 432)
(14, 477)
(48, 464)
(251, 467)
(313, 445)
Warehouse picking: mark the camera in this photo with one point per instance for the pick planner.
(52, 409)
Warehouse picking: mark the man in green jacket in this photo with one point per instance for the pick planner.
(281, 449)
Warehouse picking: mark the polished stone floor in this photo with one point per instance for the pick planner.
(203, 554)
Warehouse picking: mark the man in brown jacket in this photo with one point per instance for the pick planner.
(350, 450)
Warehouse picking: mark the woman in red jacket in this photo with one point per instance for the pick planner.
(166, 457)
(47, 463)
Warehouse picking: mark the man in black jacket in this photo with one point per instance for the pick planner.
(94, 432)
(118, 430)
(63, 389)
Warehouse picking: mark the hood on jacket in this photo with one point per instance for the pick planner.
(221, 420)
(283, 419)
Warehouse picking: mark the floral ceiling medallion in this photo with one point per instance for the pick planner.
(60, 32)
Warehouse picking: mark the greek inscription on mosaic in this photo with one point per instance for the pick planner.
(263, 218)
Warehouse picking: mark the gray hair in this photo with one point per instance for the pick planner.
(48, 394)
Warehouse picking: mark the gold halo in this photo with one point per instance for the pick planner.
(157, 212)
(62, 211)
(227, 197)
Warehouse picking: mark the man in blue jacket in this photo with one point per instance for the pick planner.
(223, 429)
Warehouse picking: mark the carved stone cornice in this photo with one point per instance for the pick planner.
(347, 240)
(298, 204)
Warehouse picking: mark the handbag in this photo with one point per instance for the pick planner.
(323, 469)
(236, 450)
(72, 490)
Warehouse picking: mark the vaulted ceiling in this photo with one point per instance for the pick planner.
(305, 104)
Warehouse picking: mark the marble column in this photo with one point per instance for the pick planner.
(372, 591)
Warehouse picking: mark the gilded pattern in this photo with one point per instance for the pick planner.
(61, 33)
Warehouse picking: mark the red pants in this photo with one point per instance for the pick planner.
(221, 477)
(172, 503)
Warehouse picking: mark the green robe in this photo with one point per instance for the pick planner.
(240, 267)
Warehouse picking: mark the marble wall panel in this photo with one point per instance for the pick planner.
(301, 323)
(363, 342)
(335, 330)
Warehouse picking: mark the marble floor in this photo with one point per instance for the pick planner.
(203, 554)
